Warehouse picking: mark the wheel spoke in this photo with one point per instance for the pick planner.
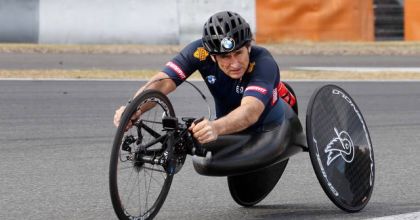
(146, 189)
(154, 169)
(151, 177)
(127, 186)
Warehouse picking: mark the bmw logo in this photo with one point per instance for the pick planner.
(211, 79)
(228, 43)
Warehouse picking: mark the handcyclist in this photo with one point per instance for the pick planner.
(244, 79)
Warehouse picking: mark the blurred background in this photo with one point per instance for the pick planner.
(180, 21)
(56, 128)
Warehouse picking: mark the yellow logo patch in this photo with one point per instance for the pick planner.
(251, 67)
(201, 53)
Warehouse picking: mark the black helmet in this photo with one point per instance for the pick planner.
(224, 32)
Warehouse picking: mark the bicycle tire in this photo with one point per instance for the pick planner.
(118, 190)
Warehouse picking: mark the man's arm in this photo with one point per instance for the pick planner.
(180, 67)
(165, 86)
(239, 119)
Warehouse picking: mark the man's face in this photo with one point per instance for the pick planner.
(235, 63)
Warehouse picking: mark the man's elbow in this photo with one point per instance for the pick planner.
(253, 116)
(252, 119)
(253, 109)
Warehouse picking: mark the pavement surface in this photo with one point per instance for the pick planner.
(56, 137)
(67, 61)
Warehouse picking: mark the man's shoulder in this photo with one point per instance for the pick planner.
(262, 59)
(262, 63)
(196, 51)
(260, 52)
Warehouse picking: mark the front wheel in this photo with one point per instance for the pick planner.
(138, 178)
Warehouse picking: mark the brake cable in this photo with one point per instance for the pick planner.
(194, 86)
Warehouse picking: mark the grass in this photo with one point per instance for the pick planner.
(292, 48)
(88, 49)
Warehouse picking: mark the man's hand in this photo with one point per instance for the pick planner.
(204, 131)
(118, 114)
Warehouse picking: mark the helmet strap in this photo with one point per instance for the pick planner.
(213, 57)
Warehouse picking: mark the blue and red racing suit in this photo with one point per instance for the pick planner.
(261, 80)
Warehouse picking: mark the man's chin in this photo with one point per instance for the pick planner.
(236, 74)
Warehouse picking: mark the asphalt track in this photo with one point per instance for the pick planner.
(56, 136)
(68, 61)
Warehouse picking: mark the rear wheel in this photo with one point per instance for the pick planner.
(340, 148)
(138, 178)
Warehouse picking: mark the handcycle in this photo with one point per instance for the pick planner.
(145, 158)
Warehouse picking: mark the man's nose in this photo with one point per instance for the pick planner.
(234, 61)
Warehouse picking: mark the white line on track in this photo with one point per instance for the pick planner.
(407, 216)
(360, 69)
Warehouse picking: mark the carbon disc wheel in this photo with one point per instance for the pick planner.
(340, 148)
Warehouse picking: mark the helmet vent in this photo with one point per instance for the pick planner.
(212, 32)
(233, 23)
(227, 28)
(219, 30)
(236, 36)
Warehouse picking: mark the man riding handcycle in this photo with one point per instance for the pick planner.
(255, 131)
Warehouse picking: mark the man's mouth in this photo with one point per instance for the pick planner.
(237, 70)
